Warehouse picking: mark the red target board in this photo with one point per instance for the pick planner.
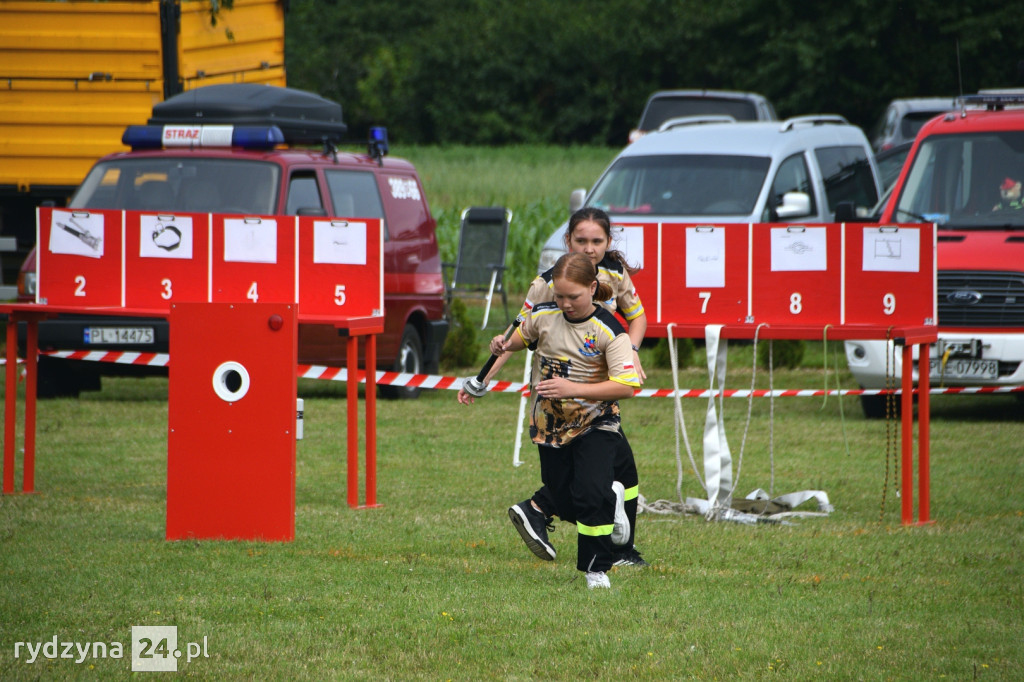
(253, 259)
(144, 261)
(704, 274)
(796, 273)
(231, 421)
(167, 258)
(888, 270)
(341, 267)
(786, 275)
(79, 257)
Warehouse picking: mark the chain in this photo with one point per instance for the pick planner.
(890, 407)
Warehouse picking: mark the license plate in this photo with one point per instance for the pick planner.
(119, 335)
(964, 368)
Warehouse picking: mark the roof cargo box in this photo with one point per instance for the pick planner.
(303, 117)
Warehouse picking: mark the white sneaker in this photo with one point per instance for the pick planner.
(620, 531)
(598, 579)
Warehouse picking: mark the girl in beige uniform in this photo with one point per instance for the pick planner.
(588, 232)
(586, 367)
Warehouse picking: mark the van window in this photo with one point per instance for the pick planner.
(682, 184)
(354, 194)
(169, 183)
(303, 192)
(101, 186)
(847, 175)
(662, 109)
(792, 176)
(407, 209)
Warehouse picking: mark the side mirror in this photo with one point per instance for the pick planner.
(576, 199)
(794, 205)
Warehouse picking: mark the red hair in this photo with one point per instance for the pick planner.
(577, 268)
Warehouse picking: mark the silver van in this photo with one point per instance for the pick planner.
(709, 168)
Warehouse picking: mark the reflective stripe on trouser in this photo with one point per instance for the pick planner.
(579, 479)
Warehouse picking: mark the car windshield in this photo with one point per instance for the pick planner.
(664, 108)
(188, 184)
(683, 184)
(966, 181)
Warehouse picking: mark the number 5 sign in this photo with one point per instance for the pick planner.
(341, 267)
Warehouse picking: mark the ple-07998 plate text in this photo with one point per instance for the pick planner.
(964, 368)
(119, 335)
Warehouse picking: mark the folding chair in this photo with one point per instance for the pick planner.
(480, 262)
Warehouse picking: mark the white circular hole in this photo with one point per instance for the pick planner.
(231, 381)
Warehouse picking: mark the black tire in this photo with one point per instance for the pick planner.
(410, 360)
(59, 378)
(874, 406)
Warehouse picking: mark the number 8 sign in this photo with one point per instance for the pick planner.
(795, 274)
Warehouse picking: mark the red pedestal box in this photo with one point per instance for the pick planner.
(253, 259)
(341, 267)
(231, 421)
(796, 273)
(890, 275)
(704, 274)
(79, 258)
(167, 259)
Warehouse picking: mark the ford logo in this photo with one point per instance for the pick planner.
(964, 297)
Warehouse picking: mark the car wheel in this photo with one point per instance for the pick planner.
(410, 361)
(874, 406)
(59, 378)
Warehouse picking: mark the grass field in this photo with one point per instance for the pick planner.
(436, 585)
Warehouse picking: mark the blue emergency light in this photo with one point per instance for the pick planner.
(185, 135)
(378, 143)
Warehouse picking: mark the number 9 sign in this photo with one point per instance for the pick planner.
(889, 304)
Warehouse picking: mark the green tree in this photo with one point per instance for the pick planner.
(502, 71)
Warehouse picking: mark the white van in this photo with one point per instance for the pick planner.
(708, 168)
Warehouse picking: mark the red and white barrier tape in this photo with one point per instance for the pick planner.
(434, 381)
(119, 357)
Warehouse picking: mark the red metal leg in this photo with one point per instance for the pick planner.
(923, 437)
(28, 483)
(353, 420)
(371, 420)
(11, 403)
(907, 420)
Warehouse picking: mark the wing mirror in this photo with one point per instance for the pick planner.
(794, 205)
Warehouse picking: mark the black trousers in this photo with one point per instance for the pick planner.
(625, 473)
(578, 478)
